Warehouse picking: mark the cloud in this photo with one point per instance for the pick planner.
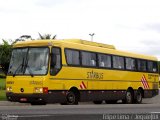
(154, 26)
(49, 3)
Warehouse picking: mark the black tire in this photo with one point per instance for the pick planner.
(110, 101)
(63, 103)
(38, 103)
(128, 97)
(97, 102)
(139, 96)
(72, 98)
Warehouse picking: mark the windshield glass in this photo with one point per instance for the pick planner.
(17, 61)
(29, 61)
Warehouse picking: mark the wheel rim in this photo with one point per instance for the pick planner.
(139, 97)
(129, 97)
(71, 98)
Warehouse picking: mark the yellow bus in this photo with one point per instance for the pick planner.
(73, 70)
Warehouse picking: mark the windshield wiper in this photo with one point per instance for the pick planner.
(29, 70)
(21, 65)
(17, 70)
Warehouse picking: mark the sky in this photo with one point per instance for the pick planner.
(129, 25)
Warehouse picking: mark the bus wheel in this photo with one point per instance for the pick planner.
(128, 97)
(110, 101)
(72, 98)
(139, 96)
(97, 102)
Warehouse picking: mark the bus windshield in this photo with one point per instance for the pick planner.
(29, 61)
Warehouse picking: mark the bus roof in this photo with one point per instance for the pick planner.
(83, 45)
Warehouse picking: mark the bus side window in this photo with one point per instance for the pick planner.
(55, 61)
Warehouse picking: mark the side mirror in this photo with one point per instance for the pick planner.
(53, 60)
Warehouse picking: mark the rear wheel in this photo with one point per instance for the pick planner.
(72, 98)
(139, 96)
(97, 102)
(128, 97)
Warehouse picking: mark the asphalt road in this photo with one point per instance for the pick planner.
(83, 111)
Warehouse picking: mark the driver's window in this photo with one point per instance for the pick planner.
(55, 61)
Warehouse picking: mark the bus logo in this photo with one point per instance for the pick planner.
(82, 85)
(144, 82)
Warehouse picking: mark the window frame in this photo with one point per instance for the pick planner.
(97, 66)
(60, 51)
(28, 47)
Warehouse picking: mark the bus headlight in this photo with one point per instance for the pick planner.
(9, 89)
(38, 90)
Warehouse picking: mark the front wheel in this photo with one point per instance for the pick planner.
(72, 98)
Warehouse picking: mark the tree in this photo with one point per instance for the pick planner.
(5, 54)
(23, 38)
(47, 36)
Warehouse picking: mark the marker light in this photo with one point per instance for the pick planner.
(9, 89)
(38, 90)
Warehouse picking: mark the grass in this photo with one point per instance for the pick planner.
(3, 95)
(2, 84)
(2, 89)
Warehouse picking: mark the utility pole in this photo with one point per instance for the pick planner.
(92, 36)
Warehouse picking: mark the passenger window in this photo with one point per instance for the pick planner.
(55, 61)
(72, 57)
(152, 66)
(104, 61)
(130, 64)
(118, 62)
(142, 66)
(88, 59)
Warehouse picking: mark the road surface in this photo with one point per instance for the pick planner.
(83, 111)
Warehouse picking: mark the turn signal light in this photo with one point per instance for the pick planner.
(45, 90)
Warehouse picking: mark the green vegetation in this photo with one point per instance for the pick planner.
(2, 75)
(2, 89)
(2, 84)
(5, 53)
(46, 36)
(3, 95)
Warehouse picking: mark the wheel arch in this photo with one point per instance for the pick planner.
(76, 91)
(142, 91)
